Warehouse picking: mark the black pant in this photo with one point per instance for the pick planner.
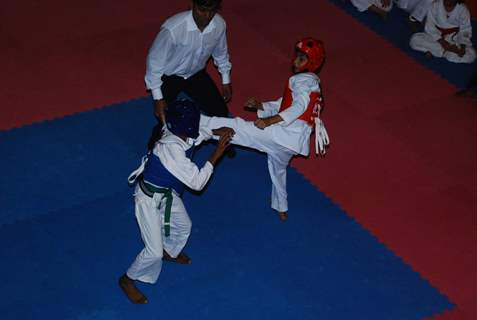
(201, 88)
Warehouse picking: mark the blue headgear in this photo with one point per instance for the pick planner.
(182, 118)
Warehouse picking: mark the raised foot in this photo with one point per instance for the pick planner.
(283, 215)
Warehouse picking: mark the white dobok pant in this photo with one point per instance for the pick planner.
(424, 42)
(363, 5)
(148, 263)
(416, 8)
(247, 135)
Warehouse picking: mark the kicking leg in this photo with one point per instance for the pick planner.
(246, 134)
(277, 167)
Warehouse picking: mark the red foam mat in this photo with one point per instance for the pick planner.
(402, 160)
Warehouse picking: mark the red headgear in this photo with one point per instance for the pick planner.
(314, 50)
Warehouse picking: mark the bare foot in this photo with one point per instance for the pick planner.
(283, 215)
(129, 288)
(182, 258)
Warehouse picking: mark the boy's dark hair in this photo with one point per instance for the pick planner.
(213, 4)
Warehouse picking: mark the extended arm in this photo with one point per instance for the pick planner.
(156, 63)
(221, 59)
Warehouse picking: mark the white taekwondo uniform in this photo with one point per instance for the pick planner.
(170, 153)
(363, 5)
(283, 140)
(438, 17)
(416, 8)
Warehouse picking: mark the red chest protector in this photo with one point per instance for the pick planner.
(312, 110)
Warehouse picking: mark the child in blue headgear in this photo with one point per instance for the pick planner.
(164, 173)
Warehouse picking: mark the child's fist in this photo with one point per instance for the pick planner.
(254, 104)
(223, 143)
(261, 123)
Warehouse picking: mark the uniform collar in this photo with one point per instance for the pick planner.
(448, 14)
(169, 137)
(191, 26)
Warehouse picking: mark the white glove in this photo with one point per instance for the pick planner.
(321, 137)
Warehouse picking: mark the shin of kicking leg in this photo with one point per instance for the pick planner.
(277, 167)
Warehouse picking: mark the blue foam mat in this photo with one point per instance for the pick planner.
(68, 232)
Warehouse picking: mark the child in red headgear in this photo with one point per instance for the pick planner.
(284, 126)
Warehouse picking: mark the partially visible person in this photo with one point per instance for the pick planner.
(379, 7)
(284, 126)
(447, 32)
(178, 57)
(160, 180)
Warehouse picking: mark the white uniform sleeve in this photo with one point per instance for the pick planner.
(221, 57)
(156, 62)
(173, 158)
(270, 108)
(204, 133)
(301, 97)
(465, 28)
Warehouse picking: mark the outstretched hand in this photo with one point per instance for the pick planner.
(253, 104)
(223, 143)
(227, 92)
(160, 110)
(226, 135)
(261, 123)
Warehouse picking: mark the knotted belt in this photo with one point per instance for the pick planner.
(447, 31)
(149, 190)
